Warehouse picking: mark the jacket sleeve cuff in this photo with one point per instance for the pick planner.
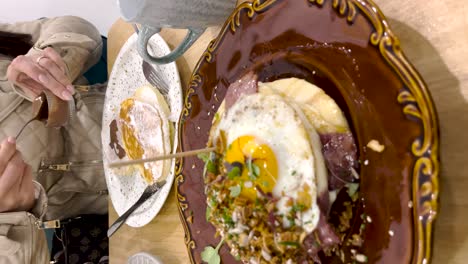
(26, 94)
(40, 207)
(78, 51)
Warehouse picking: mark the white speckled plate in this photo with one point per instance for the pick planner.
(127, 75)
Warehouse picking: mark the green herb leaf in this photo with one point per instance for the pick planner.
(228, 219)
(213, 201)
(293, 172)
(204, 156)
(298, 207)
(210, 167)
(235, 190)
(258, 202)
(208, 213)
(352, 188)
(210, 255)
(248, 163)
(235, 172)
(253, 169)
(289, 243)
(256, 170)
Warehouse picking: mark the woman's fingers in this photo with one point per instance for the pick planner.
(7, 150)
(20, 195)
(55, 57)
(13, 173)
(34, 87)
(30, 68)
(57, 73)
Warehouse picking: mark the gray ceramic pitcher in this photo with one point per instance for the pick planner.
(194, 15)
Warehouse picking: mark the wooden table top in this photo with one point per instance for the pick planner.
(434, 36)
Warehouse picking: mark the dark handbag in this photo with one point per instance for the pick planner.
(81, 239)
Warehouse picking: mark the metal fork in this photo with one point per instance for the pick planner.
(154, 78)
(151, 190)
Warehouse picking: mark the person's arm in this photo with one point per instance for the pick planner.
(77, 42)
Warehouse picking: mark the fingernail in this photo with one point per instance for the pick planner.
(71, 89)
(66, 95)
(11, 140)
(43, 78)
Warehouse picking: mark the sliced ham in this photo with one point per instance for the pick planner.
(248, 84)
(323, 238)
(340, 153)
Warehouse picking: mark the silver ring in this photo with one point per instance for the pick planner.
(39, 59)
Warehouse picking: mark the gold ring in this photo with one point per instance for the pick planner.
(39, 59)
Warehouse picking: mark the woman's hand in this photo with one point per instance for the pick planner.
(16, 183)
(36, 73)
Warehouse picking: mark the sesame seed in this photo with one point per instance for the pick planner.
(366, 162)
(361, 258)
(410, 204)
(390, 232)
(369, 219)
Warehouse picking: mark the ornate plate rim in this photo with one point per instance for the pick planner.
(417, 103)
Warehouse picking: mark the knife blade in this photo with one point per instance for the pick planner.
(148, 193)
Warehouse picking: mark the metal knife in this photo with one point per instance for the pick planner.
(149, 192)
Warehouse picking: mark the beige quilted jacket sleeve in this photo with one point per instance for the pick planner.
(80, 45)
(75, 39)
(20, 240)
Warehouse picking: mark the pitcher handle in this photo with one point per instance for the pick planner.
(147, 32)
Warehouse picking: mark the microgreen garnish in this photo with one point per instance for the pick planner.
(204, 156)
(254, 170)
(235, 190)
(352, 188)
(208, 159)
(298, 207)
(208, 213)
(210, 255)
(289, 243)
(235, 172)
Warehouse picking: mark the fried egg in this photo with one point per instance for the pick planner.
(146, 131)
(269, 145)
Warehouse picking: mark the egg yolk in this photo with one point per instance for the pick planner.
(259, 166)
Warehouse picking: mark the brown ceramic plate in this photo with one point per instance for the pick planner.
(348, 49)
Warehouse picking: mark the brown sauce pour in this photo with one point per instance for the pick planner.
(114, 140)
